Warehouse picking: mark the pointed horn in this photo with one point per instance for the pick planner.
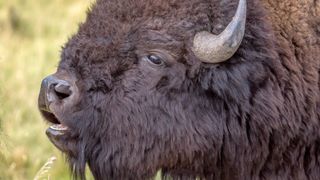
(212, 48)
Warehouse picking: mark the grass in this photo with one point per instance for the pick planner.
(44, 172)
(31, 35)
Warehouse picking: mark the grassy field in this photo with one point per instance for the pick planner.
(31, 35)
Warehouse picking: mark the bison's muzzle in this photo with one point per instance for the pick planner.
(55, 94)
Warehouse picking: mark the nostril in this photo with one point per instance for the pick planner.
(62, 89)
(52, 90)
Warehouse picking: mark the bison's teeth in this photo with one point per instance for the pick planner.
(59, 127)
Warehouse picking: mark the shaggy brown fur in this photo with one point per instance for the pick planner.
(255, 116)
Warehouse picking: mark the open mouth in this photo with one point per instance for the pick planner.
(56, 128)
(58, 133)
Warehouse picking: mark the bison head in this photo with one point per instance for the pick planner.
(144, 86)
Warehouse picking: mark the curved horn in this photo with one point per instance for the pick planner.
(212, 48)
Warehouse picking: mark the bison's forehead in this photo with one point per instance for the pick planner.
(114, 29)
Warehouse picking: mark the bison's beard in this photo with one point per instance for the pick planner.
(77, 157)
(74, 149)
(77, 162)
(87, 144)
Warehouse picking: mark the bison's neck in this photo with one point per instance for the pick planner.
(293, 144)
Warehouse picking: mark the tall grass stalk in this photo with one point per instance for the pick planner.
(43, 172)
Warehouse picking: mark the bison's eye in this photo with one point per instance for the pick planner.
(155, 59)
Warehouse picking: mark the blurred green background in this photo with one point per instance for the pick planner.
(31, 35)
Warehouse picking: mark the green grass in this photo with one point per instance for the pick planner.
(31, 35)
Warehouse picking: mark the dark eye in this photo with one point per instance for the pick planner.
(155, 59)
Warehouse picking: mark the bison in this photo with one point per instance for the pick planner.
(199, 89)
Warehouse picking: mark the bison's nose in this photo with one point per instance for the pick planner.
(53, 89)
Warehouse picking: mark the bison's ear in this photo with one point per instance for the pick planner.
(212, 48)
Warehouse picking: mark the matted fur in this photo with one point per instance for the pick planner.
(255, 116)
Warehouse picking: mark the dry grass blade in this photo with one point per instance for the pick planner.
(43, 173)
